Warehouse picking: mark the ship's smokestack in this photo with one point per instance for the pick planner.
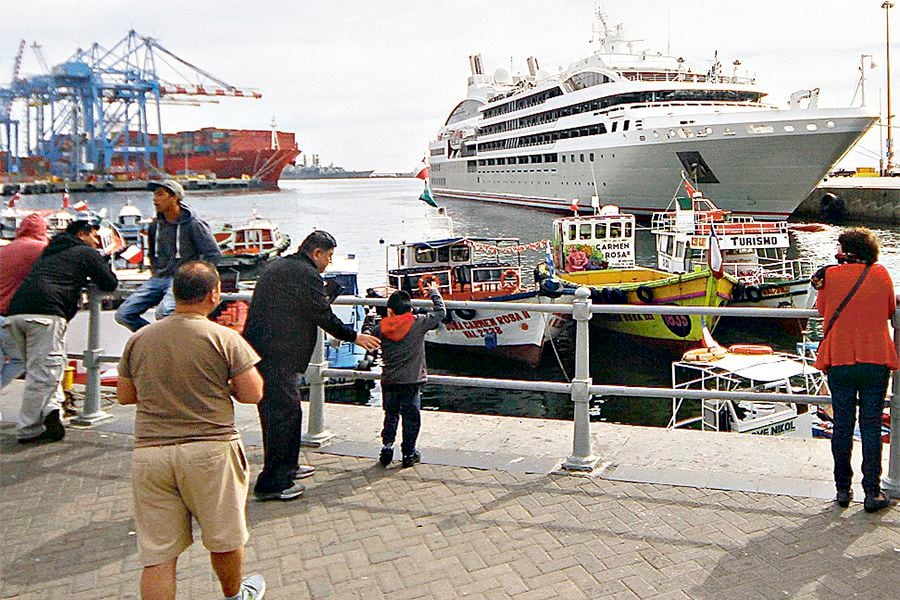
(472, 64)
(479, 68)
(533, 66)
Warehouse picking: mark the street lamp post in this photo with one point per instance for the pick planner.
(889, 155)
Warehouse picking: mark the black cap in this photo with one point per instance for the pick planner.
(76, 227)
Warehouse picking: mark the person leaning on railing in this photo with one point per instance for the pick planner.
(856, 298)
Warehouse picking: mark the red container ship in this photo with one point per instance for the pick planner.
(230, 153)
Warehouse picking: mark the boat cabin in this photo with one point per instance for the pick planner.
(592, 242)
(751, 250)
(467, 268)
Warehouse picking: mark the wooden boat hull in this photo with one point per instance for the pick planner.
(514, 334)
(642, 286)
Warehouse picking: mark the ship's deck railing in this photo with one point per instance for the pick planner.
(581, 388)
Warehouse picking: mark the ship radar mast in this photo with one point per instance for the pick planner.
(610, 41)
(275, 144)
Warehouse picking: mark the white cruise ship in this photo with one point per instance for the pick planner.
(623, 125)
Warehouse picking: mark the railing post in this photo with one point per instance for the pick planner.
(582, 458)
(316, 433)
(891, 483)
(90, 412)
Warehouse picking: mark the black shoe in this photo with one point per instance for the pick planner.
(295, 491)
(53, 430)
(874, 503)
(386, 456)
(411, 459)
(844, 497)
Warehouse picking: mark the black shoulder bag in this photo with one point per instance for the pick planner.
(843, 303)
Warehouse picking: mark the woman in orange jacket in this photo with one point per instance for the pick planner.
(858, 355)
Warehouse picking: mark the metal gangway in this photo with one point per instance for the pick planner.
(581, 388)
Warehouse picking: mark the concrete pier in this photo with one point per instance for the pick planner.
(488, 514)
(52, 187)
(867, 199)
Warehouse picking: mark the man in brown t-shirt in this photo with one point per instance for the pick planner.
(188, 461)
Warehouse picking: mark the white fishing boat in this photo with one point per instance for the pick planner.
(623, 123)
(747, 368)
(476, 269)
(753, 252)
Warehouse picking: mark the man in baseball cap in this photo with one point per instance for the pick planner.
(172, 186)
(175, 237)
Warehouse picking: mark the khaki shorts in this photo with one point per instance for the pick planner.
(170, 484)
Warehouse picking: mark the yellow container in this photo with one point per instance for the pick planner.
(68, 378)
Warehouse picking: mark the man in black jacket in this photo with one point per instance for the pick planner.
(288, 306)
(38, 315)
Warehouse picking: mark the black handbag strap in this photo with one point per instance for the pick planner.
(841, 306)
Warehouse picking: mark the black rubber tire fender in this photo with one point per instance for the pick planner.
(645, 294)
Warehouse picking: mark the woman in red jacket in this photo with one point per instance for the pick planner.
(858, 355)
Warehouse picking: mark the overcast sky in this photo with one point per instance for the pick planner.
(366, 83)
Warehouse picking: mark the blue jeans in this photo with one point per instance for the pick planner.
(156, 291)
(11, 364)
(864, 386)
(401, 400)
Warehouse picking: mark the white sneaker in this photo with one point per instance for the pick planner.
(253, 588)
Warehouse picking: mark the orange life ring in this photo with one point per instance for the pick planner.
(750, 349)
(425, 281)
(510, 279)
(704, 354)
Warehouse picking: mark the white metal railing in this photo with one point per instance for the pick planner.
(580, 388)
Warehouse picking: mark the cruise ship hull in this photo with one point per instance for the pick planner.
(765, 173)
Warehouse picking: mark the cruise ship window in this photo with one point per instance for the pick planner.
(581, 157)
(614, 126)
(564, 158)
(572, 157)
(592, 157)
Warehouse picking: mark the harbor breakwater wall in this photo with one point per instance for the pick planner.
(870, 200)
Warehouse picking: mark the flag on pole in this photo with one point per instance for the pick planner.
(426, 196)
(714, 255)
(689, 189)
(133, 254)
(80, 206)
(548, 258)
(422, 170)
(65, 200)
(707, 339)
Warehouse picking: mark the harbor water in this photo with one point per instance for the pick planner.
(366, 215)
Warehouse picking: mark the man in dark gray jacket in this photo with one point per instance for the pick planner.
(176, 236)
(402, 335)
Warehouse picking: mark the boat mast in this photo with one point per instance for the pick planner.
(887, 6)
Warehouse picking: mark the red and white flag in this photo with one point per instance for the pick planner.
(65, 203)
(708, 340)
(133, 254)
(573, 206)
(421, 170)
(81, 205)
(714, 255)
(14, 199)
(689, 189)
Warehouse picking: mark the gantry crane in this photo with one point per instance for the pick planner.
(98, 113)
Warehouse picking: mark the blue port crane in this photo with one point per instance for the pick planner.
(98, 113)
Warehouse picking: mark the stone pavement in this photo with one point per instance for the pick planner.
(439, 531)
